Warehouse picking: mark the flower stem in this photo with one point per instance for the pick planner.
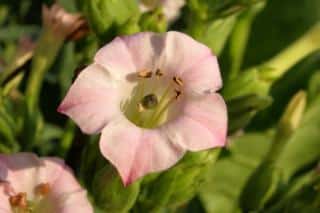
(45, 54)
(286, 59)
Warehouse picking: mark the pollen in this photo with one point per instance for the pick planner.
(42, 189)
(178, 93)
(144, 74)
(178, 81)
(159, 73)
(19, 200)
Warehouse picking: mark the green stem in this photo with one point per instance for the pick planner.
(286, 59)
(67, 138)
(45, 54)
(240, 36)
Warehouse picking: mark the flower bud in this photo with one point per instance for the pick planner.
(178, 185)
(58, 25)
(154, 21)
(63, 24)
(265, 181)
(293, 113)
(107, 17)
(109, 194)
(250, 82)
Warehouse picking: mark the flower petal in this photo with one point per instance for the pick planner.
(22, 170)
(203, 77)
(66, 194)
(92, 100)
(77, 202)
(116, 58)
(145, 49)
(192, 61)
(202, 124)
(4, 201)
(135, 151)
(181, 52)
(55, 171)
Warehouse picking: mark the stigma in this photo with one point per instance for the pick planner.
(149, 101)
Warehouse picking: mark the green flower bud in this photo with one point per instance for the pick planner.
(154, 20)
(259, 79)
(130, 27)
(249, 82)
(293, 113)
(265, 181)
(105, 17)
(109, 193)
(177, 185)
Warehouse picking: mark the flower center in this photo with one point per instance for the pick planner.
(152, 100)
(20, 203)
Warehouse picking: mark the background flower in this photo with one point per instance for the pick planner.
(29, 183)
(171, 8)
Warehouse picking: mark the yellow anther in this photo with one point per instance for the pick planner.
(144, 74)
(159, 73)
(19, 200)
(42, 189)
(178, 93)
(178, 81)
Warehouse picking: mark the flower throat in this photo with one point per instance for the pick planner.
(152, 99)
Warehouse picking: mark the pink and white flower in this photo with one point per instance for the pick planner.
(32, 184)
(171, 8)
(152, 96)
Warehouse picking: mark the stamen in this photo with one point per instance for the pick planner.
(159, 73)
(178, 93)
(157, 116)
(42, 189)
(149, 101)
(144, 74)
(178, 81)
(19, 200)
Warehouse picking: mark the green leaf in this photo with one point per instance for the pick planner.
(240, 36)
(217, 33)
(228, 176)
(314, 86)
(242, 109)
(14, 32)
